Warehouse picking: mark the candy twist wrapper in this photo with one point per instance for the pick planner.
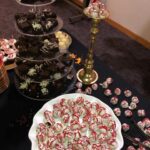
(4, 80)
(96, 10)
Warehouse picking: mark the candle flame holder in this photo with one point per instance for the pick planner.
(88, 75)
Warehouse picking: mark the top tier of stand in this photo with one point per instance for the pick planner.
(38, 3)
(55, 29)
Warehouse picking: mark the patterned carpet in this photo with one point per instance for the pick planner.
(125, 56)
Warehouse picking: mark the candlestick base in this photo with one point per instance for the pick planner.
(87, 78)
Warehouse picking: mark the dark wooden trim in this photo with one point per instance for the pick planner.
(131, 34)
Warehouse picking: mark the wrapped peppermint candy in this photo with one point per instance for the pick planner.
(109, 80)
(95, 86)
(141, 112)
(146, 121)
(117, 111)
(135, 99)
(127, 93)
(107, 92)
(78, 91)
(131, 148)
(146, 143)
(141, 148)
(124, 104)
(88, 90)
(128, 113)
(79, 85)
(104, 85)
(147, 131)
(141, 125)
(132, 106)
(136, 139)
(114, 100)
(125, 127)
(117, 91)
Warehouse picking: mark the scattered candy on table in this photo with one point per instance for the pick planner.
(136, 139)
(131, 148)
(135, 99)
(114, 100)
(147, 122)
(107, 92)
(78, 91)
(88, 90)
(125, 127)
(127, 93)
(104, 85)
(128, 113)
(117, 91)
(95, 86)
(109, 80)
(147, 143)
(124, 104)
(141, 112)
(132, 106)
(117, 111)
(79, 85)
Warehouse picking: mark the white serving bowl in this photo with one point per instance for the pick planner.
(39, 117)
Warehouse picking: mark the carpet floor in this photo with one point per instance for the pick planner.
(125, 56)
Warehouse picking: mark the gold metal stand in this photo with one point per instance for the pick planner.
(87, 75)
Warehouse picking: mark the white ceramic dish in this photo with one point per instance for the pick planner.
(39, 117)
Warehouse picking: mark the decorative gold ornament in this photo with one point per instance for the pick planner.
(87, 75)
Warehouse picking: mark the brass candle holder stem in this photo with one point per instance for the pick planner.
(88, 75)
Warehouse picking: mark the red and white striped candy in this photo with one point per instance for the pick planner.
(49, 117)
(136, 139)
(147, 131)
(114, 100)
(124, 104)
(117, 111)
(104, 85)
(125, 127)
(141, 125)
(95, 86)
(117, 91)
(88, 90)
(147, 143)
(146, 121)
(109, 80)
(79, 85)
(131, 148)
(127, 93)
(135, 99)
(141, 148)
(141, 112)
(79, 91)
(132, 106)
(107, 92)
(128, 113)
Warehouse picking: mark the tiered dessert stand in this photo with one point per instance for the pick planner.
(43, 71)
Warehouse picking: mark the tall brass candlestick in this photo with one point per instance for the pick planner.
(87, 75)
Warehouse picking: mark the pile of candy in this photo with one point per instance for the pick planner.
(77, 124)
(127, 106)
(8, 49)
(96, 9)
(144, 125)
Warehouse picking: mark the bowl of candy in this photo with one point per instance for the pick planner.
(75, 121)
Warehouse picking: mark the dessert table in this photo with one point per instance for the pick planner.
(16, 111)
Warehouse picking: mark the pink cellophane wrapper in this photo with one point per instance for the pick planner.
(96, 9)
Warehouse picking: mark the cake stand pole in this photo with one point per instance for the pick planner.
(87, 75)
